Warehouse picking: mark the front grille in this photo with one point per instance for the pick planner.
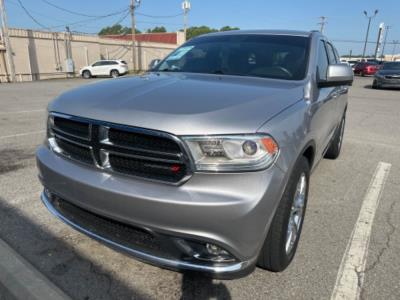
(74, 128)
(116, 148)
(75, 151)
(109, 229)
(137, 140)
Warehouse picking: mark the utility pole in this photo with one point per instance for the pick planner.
(369, 24)
(186, 8)
(395, 42)
(7, 44)
(384, 42)
(322, 23)
(379, 40)
(133, 6)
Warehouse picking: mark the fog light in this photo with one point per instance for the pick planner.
(204, 251)
(215, 250)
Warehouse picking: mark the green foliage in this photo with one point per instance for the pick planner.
(199, 30)
(116, 29)
(157, 29)
(228, 28)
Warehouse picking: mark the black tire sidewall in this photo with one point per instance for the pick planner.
(273, 255)
(335, 148)
(86, 76)
(114, 72)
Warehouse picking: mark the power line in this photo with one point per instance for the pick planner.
(159, 17)
(81, 14)
(30, 15)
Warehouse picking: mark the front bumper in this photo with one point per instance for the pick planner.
(387, 82)
(232, 211)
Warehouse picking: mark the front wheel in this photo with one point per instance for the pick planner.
(86, 74)
(283, 236)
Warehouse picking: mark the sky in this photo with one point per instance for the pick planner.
(345, 18)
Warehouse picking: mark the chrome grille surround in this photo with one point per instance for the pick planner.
(97, 141)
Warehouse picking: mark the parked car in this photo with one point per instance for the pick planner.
(113, 68)
(366, 68)
(387, 76)
(204, 163)
(352, 63)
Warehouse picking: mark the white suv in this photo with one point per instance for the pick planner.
(113, 68)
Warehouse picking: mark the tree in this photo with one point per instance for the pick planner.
(116, 29)
(199, 30)
(228, 28)
(157, 29)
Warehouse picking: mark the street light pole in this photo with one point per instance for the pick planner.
(384, 42)
(369, 24)
(186, 8)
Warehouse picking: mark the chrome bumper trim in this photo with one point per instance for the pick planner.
(155, 260)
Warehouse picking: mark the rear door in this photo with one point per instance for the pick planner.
(325, 106)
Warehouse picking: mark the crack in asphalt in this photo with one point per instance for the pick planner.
(377, 261)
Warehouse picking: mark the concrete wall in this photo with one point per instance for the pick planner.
(41, 55)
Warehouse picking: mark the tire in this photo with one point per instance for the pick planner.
(337, 141)
(362, 74)
(86, 74)
(278, 250)
(375, 85)
(114, 73)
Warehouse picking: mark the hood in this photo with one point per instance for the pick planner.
(181, 103)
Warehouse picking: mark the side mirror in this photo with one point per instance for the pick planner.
(339, 74)
(154, 63)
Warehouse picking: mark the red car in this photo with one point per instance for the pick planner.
(365, 68)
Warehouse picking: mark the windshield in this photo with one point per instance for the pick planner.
(391, 66)
(268, 56)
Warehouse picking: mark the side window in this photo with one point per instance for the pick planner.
(112, 62)
(322, 67)
(331, 54)
(97, 64)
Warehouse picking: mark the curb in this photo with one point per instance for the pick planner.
(20, 280)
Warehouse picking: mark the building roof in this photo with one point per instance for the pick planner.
(164, 37)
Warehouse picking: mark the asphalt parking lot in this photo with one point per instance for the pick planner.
(85, 269)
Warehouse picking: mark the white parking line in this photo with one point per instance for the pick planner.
(21, 134)
(22, 111)
(350, 277)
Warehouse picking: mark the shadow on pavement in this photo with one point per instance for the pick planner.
(199, 287)
(77, 275)
(74, 274)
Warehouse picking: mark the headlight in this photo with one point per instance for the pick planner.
(378, 75)
(232, 153)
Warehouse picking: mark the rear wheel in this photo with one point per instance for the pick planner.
(281, 243)
(336, 143)
(86, 74)
(114, 73)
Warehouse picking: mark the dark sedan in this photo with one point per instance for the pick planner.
(387, 76)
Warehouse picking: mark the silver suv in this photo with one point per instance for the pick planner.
(203, 163)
